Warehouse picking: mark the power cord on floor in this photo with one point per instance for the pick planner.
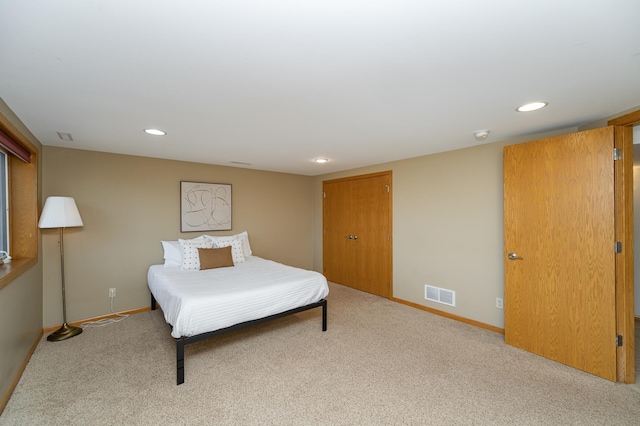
(104, 321)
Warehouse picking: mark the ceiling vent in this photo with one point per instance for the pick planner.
(65, 136)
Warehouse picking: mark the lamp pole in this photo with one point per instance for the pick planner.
(65, 331)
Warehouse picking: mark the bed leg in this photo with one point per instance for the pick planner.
(324, 316)
(153, 303)
(180, 361)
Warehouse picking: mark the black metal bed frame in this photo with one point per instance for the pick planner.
(182, 341)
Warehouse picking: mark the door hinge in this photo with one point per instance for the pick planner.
(618, 340)
(387, 188)
(618, 247)
(617, 154)
(324, 195)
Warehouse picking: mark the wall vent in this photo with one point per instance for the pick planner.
(440, 295)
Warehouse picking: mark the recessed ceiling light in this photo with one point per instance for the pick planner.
(532, 106)
(321, 160)
(155, 132)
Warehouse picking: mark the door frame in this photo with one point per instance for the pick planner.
(625, 315)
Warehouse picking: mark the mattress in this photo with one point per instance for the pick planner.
(200, 301)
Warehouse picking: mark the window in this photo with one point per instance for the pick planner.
(20, 187)
(4, 203)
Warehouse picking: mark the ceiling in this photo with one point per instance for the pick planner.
(278, 83)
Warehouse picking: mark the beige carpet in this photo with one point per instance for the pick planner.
(380, 362)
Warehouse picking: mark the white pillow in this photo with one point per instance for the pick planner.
(189, 251)
(237, 252)
(243, 237)
(172, 256)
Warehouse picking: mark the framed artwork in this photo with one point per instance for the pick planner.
(205, 207)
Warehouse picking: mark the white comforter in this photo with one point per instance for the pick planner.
(195, 302)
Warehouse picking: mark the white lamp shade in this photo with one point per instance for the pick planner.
(60, 212)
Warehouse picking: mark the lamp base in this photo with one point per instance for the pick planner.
(65, 332)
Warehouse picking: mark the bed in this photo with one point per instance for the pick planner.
(200, 302)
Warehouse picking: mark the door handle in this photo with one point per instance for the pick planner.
(355, 237)
(513, 256)
(349, 237)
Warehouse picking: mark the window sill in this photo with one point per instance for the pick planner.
(12, 270)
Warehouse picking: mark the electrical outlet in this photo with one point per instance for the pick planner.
(499, 303)
(112, 292)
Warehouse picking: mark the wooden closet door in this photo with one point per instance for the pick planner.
(338, 255)
(357, 232)
(372, 247)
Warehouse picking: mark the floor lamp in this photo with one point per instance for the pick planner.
(61, 212)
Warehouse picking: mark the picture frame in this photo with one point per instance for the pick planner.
(205, 206)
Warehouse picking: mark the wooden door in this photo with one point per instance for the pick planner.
(338, 254)
(559, 232)
(357, 232)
